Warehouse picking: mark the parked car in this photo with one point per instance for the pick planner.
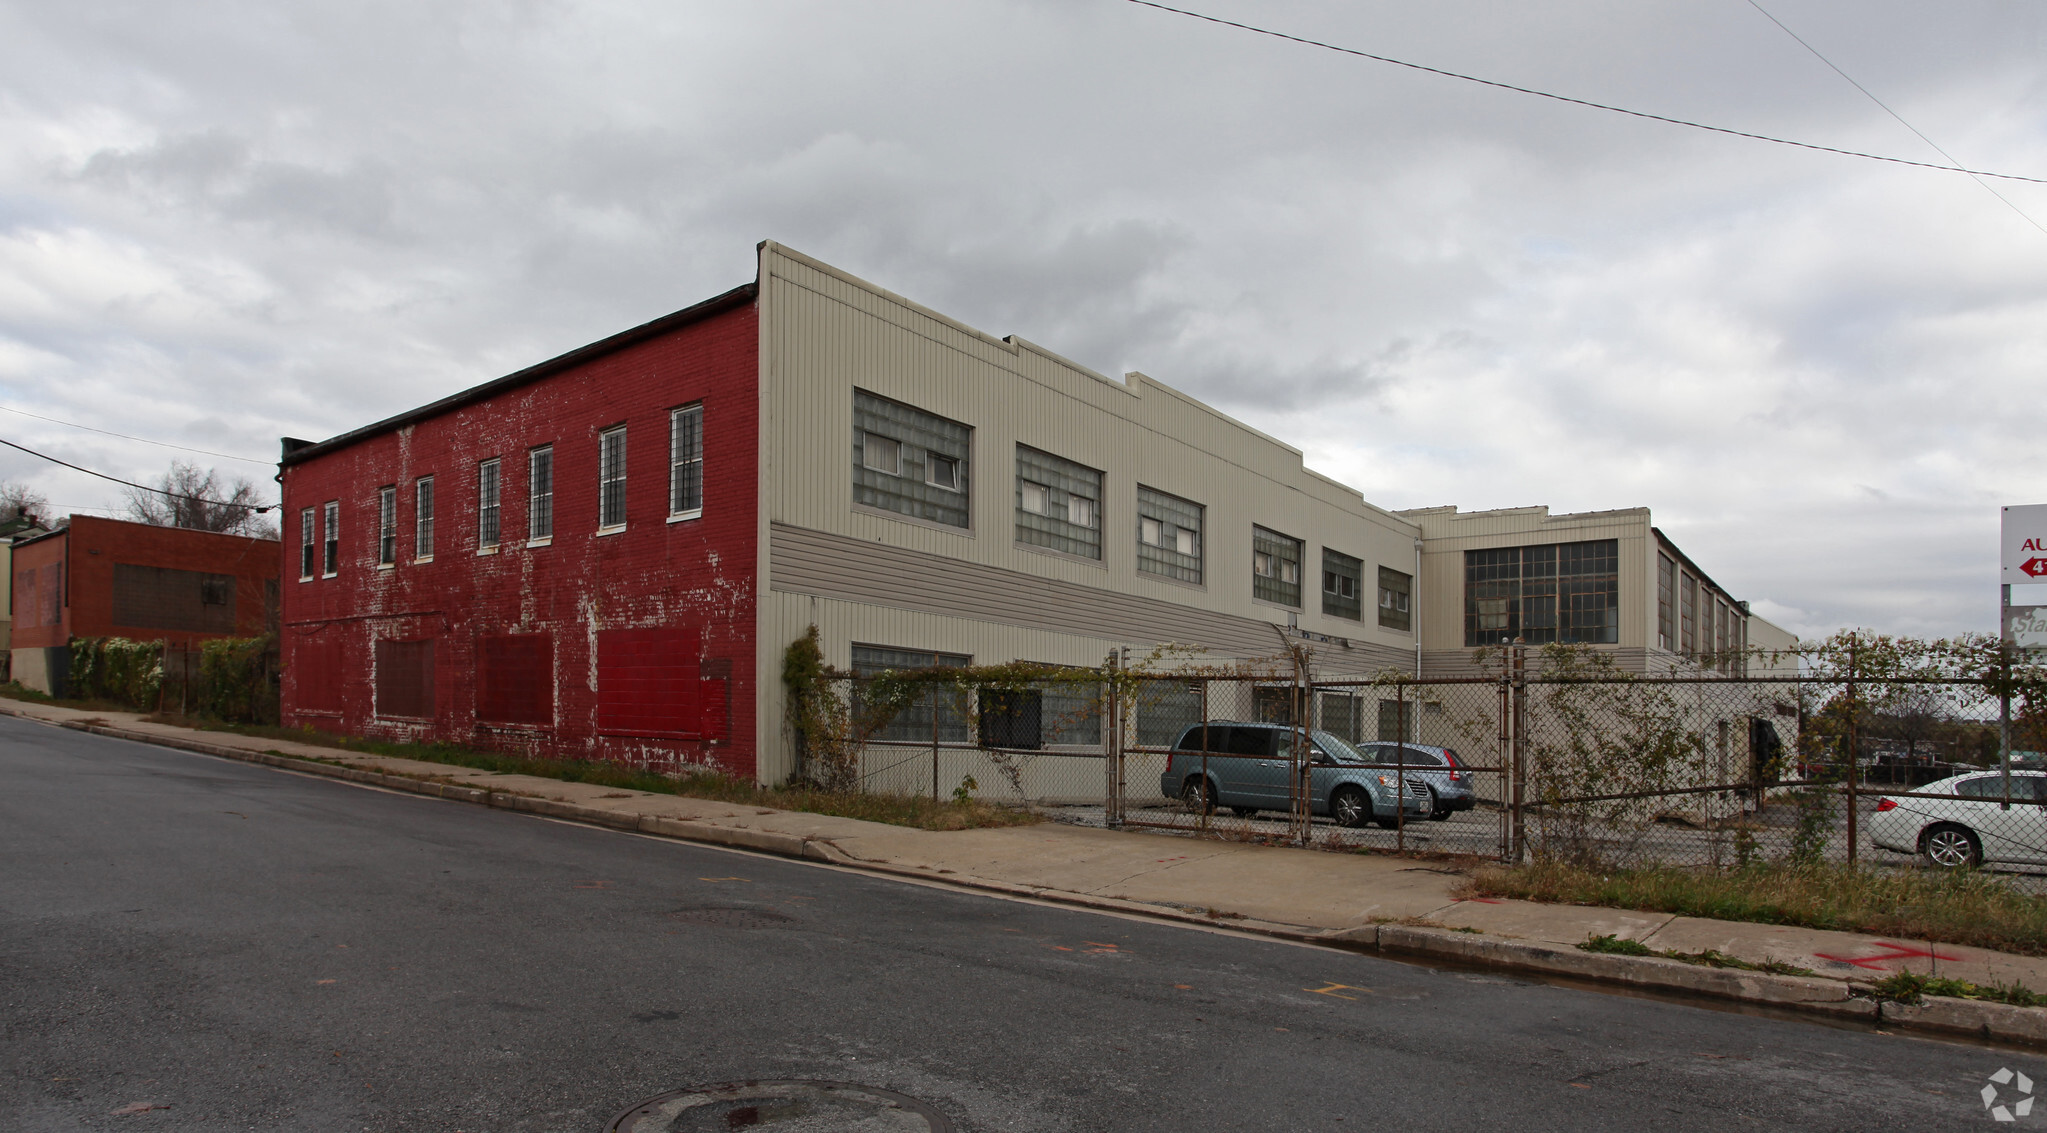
(1246, 766)
(1978, 828)
(1449, 784)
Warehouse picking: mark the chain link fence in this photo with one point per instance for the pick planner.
(1577, 763)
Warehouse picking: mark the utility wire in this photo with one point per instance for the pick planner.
(254, 509)
(126, 437)
(1956, 168)
(1987, 187)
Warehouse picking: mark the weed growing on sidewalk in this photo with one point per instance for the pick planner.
(899, 810)
(1964, 907)
(1912, 987)
(1710, 958)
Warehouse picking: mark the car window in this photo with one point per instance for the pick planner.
(1251, 741)
(1338, 748)
(1412, 756)
(1986, 787)
(1218, 738)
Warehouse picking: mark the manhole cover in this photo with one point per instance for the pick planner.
(732, 918)
(785, 1107)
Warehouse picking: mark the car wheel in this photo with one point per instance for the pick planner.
(1437, 811)
(1350, 807)
(1243, 811)
(1195, 796)
(1951, 847)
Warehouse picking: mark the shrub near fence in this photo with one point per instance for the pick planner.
(235, 680)
(116, 669)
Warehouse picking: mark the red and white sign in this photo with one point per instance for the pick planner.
(2024, 539)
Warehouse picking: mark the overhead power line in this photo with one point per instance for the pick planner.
(126, 437)
(1987, 187)
(1305, 41)
(254, 509)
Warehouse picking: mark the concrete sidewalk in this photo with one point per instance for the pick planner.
(1357, 901)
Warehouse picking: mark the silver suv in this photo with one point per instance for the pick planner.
(1246, 767)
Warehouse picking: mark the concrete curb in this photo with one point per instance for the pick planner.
(1835, 999)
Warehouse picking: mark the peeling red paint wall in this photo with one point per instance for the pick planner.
(693, 576)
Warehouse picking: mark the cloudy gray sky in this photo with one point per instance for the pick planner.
(224, 222)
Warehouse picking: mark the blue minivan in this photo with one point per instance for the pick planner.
(1245, 767)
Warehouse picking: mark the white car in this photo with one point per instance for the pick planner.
(1977, 828)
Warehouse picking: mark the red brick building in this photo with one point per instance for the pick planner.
(561, 560)
(111, 578)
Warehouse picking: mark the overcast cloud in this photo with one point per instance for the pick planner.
(225, 222)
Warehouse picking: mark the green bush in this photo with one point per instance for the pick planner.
(234, 680)
(116, 669)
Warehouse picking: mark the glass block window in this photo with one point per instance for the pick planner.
(387, 525)
(307, 542)
(1168, 535)
(1165, 710)
(1560, 592)
(910, 462)
(487, 504)
(1396, 590)
(914, 723)
(686, 461)
(611, 478)
(1666, 602)
(423, 518)
(1342, 579)
(540, 493)
(1058, 503)
(1275, 567)
(331, 548)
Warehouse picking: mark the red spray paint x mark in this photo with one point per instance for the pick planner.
(1892, 952)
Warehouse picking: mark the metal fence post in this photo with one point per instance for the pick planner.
(1517, 723)
(933, 694)
(2004, 719)
(1400, 767)
(1854, 751)
(1503, 762)
(1112, 743)
(1206, 803)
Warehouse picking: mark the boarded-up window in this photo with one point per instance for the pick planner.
(316, 671)
(515, 678)
(405, 678)
(647, 682)
(189, 601)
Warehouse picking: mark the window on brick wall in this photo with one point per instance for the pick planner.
(649, 682)
(487, 505)
(910, 462)
(1058, 503)
(405, 679)
(1168, 535)
(540, 493)
(611, 479)
(1396, 591)
(686, 462)
(1343, 578)
(309, 541)
(515, 678)
(387, 525)
(330, 557)
(423, 519)
(1275, 567)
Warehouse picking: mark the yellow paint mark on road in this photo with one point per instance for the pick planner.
(1335, 991)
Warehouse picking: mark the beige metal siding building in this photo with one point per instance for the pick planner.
(1204, 531)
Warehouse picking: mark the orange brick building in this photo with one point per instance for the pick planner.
(111, 578)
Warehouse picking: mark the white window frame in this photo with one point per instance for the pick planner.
(678, 463)
(535, 497)
(490, 498)
(330, 546)
(890, 445)
(423, 520)
(387, 527)
(609, 473)
(933, 461)
(309, 547)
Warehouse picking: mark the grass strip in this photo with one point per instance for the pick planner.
(1959, 907)
(1710, 958)
(897, 810)
(1912, 987)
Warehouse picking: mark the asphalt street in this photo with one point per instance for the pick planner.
(243, 948)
